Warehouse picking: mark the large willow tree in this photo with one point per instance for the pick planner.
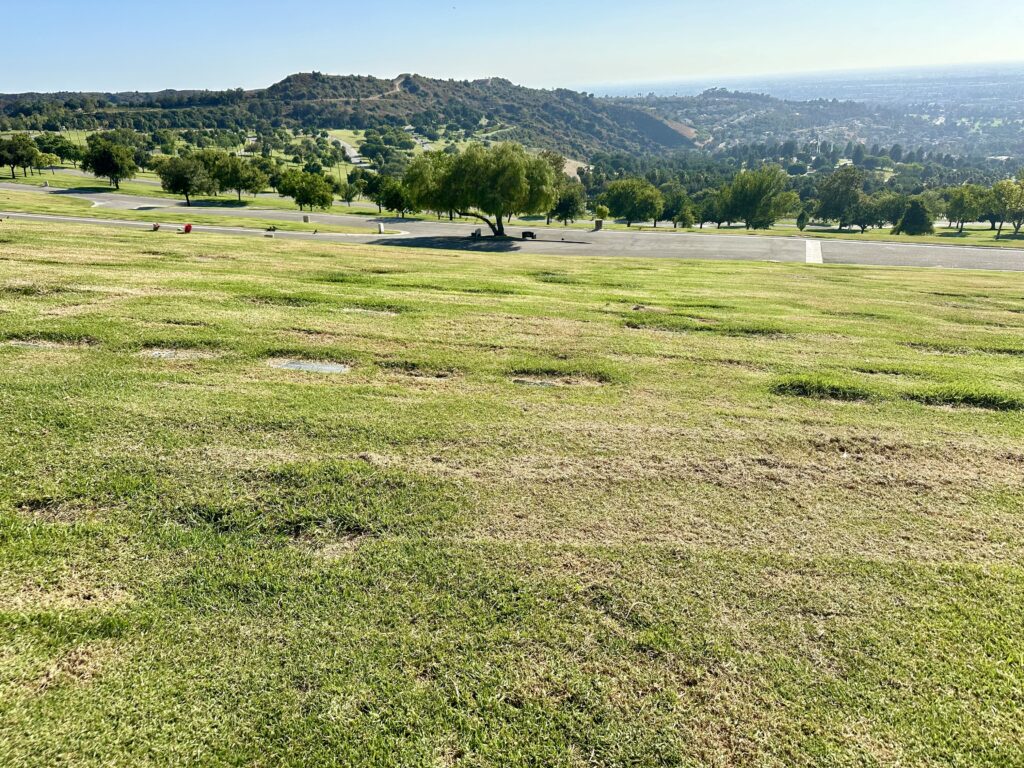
(485, 183)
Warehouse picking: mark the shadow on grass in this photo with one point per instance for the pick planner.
(84, 191)
(954, 235)
(222, 203)
(480, 245)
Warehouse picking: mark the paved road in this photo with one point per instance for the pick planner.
(561, 241)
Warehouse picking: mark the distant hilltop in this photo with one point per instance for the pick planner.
(977, 112)
(570, 122)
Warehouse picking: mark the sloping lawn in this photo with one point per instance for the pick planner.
(544, 512)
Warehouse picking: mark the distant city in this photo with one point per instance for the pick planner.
(976, 84)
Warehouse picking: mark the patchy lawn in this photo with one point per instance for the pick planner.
(530, 511)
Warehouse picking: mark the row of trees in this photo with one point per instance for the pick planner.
(101, 155)
(208, 172)
(494, 183)
(19, 151)
(757, 197)
(842, 199)
(497, 182)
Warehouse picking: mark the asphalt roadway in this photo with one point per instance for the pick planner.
(557, 241)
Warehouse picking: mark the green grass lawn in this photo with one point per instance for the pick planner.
(33, 202)
(560, 511)
(69, 181)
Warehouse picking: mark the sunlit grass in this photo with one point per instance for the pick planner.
(558, 511)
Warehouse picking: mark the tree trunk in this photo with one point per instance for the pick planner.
(239, 195)
(188, 202)
(999, 233)
(497, 229)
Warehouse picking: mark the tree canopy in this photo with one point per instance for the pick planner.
(308, 190)
(19, 151)
(634, 200)
(761, 197)
(104, 158)
(916, 220)
(839, 194)
(240, 176)
(486, 183)
(571, 203)
(185, 176)
(1008, 196)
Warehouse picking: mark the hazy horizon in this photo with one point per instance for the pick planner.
(793, 85)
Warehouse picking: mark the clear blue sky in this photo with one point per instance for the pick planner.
(112, 45)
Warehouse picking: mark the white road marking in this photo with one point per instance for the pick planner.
(814, 252)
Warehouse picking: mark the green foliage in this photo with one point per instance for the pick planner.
(186, 176)
(19, 151)
(679, 208)
(916, 220)
(309, 190)
(487, 183)
(1008, 197)
(104, 158)
(571, 203)
(864, 213)
(429, 183)
(761, 197)
(395, 197)
(889, 207)
(685, 216)
(240, 175)
(634, 200)
(839, 195)
(965, 204)
(61, 146)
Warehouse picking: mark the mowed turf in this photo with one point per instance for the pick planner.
(558, 512)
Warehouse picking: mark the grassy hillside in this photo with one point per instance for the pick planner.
(557, 511)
